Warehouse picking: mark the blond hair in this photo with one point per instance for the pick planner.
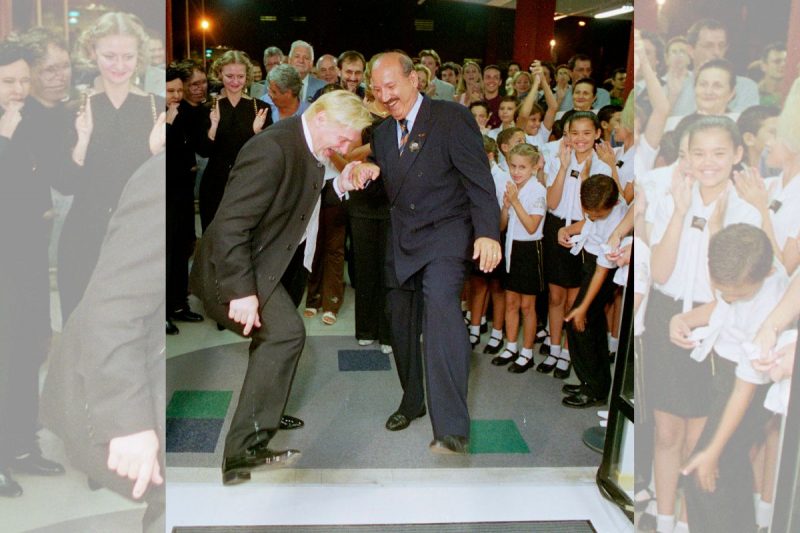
(533, 155)
(343, 108)
(233, 57)
(114, 23)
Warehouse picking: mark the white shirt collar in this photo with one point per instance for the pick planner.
(412, 115)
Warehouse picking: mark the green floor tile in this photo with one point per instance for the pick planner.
(496, 436)
(199, 404)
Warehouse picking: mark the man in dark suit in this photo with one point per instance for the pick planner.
(105, 386)
(258, 234)
(444, 213)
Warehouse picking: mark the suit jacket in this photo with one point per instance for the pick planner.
(441, 193)
(106, 379)
(444, 91)
(314, 85)
(271, 193)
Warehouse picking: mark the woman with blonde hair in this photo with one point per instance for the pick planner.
(470, 86)
(118, 128)
(232, 120)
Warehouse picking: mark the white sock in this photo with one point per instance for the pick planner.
(613, 344)
(681, 527)
(475, 330)
(563, 360)
(468, 316)
(756, 499)
(547, 340)
(483, 320)
(763, 513)
(549, 360)
(511, 346)
(555, 350)
(525, 355)
(665, 523)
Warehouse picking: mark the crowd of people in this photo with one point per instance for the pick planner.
(717, 249)
(466, 202)
(414, 246)
(78, 120)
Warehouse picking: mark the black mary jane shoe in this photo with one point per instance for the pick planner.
(291, 422)
(572, 389)
(493, 350)
(545, 367)
(544, 349)
(562, 374)
(502, 361)
(517, 368)
(474, 340)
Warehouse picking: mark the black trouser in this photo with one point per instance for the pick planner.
(430, 303)
(295, 277)
(729, 508)
(589, 348)
(180, 239)
(369, 251)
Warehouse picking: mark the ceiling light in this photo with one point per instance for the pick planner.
(614, 12)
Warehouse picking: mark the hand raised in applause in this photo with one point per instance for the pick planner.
(260, 120)
(172, 112)
(10, 119)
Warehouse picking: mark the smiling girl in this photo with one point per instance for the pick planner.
(232, 120)
(118, 128)
(524, 207)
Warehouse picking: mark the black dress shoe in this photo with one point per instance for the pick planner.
(220, 327)
(33, 463)
(291, 422)
(236, 469)
(572, 389)
(398, 421)
(493, 350)
(546, 368)
(484, 327)
(450, 444)
(186, 315)
(172, 329)
(581, 401)
(519, 369)
(9, 488)
(562, 374)
(502, 361)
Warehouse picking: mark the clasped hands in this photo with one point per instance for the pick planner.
(357, 175)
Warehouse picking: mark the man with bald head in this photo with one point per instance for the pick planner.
(443, 216)
(327, 70)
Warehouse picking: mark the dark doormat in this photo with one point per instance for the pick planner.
(559, 526)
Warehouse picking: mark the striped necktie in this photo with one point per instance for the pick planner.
(404, 133)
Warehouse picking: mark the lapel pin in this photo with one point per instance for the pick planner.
(414, 147)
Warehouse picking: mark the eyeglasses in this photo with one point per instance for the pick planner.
(54, 70)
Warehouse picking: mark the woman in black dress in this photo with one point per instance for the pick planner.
(233, 119)
(119, 128)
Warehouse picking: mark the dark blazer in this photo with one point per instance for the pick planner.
(441, 193)
(268, 201)
(107, 379)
